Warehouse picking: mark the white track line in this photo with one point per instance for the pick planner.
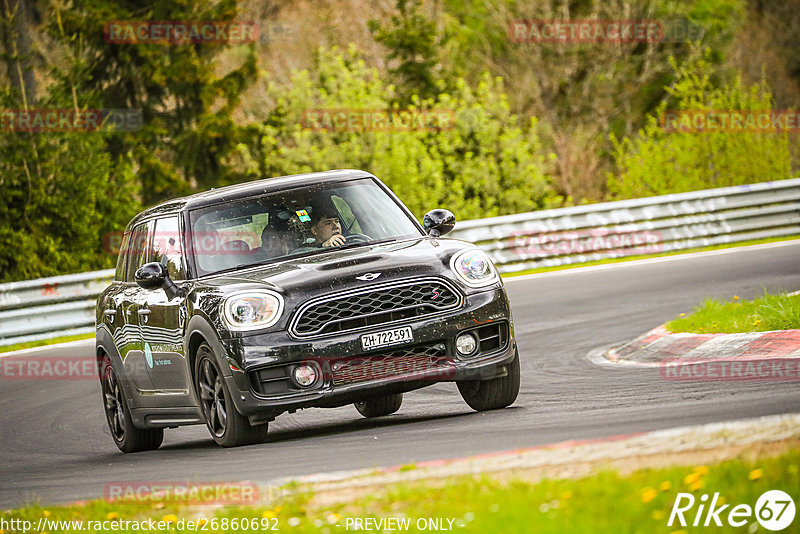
(77, 343)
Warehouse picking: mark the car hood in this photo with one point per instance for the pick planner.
(336, 270)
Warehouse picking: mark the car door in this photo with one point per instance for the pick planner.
(162, 319)
(124, 320)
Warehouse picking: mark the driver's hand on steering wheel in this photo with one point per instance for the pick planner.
(335, 241)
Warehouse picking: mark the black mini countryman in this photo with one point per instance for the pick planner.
(233, 306)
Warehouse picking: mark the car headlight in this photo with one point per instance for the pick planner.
(474, 268)
(252, 309)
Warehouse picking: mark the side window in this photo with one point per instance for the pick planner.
(349, 221)
(135, 251)
(119, 275)
(165, 247)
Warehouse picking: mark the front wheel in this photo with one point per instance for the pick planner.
(380, 405)
(495, 393)
(228, 427)
(127, 437)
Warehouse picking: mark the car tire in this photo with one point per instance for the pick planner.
(380, 406)
(126, 436)
(494, 393)
(227, 426)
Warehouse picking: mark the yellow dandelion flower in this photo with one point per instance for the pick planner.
(202, 522)
(648, 494)
(566, 495)
(112, 515)
(658, 515)
(755, 474)
(691, 478)
(683, 315)
(701, 470)
(665, 486)
(277, 509)
(333, 518)
(170, 518)
(696, 485)
(736, 297)
(46, 513)
(269, 514)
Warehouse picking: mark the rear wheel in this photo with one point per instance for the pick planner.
(380, 405)
(494, 393)
(228, 427)
(127, 437)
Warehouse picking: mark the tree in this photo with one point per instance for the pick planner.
(186, 96)
(413, 45)
(660, 161)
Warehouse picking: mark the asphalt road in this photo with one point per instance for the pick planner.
(55, 446)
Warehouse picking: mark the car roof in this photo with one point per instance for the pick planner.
(247, 189)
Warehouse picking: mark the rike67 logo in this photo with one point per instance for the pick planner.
(774, 510)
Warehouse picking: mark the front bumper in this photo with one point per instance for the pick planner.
(249, 356)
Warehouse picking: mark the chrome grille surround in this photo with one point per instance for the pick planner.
(375, 305)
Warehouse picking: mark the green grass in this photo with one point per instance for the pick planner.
(770, 312)
(44, 342)
(603, 503)
(646, 256)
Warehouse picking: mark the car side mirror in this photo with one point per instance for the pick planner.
(438, 222)
(151, 275)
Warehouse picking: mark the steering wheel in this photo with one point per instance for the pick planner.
(357, 238)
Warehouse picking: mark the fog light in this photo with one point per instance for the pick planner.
(304, 375)
(466, 344)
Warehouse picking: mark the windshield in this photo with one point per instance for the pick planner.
(302, 221)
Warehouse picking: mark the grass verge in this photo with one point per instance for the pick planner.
(769, 312)
(44, 342)
(603, 503)
(646, 256)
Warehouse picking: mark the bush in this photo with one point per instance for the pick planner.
(488, 164)
(659, 162)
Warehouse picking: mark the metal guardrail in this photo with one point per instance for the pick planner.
(50, 307)
(637, 227)
(64, 305)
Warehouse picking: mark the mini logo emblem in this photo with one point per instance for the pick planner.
(368, 276)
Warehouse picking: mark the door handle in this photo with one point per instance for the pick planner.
(110, 313)
(144, 313)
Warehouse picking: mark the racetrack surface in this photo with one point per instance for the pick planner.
(55, 446)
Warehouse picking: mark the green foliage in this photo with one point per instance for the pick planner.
(187, 98)
(659, 162)
(412, 41)
(62, 194)
(487, 164)
(766, 313)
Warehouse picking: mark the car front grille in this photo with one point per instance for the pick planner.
(423, 362)
(373, 306)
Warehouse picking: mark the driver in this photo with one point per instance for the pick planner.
(325, 226)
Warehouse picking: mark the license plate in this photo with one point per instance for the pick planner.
(385, 338)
